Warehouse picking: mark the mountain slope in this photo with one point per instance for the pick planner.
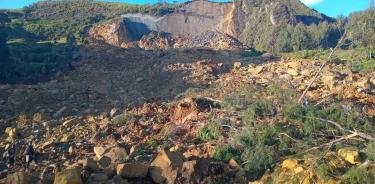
(258, 24)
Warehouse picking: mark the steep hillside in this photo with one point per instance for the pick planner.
(255, 23)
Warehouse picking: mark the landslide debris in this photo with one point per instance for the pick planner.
(234, 128)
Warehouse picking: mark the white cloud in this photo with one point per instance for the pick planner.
(311, 2)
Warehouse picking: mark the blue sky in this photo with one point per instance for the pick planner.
(331, 8)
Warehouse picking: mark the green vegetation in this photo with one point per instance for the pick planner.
(53, 20)
(226, 153)
(276, 128)
(5, 62)
(210, 131)
(359, 176)
(299, 27)
(361, 26)
(370, 151)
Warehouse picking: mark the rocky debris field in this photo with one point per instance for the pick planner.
(106, 78)
(132, 116)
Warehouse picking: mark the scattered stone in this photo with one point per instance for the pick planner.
(132, 170)
(292, 72)
(165, 167)
(71, 150)
(290, 164)
(89, 164)
(237, 65)
(67, 137)
(186, 110)
(99, 151)
(69, 176)
(234, 165)
(349, 154)
(12, 133)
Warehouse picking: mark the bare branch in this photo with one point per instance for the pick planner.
(329, 144)
(321, 68)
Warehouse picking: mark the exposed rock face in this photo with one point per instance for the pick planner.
(280, 14)
(192, 19)
(115, 34)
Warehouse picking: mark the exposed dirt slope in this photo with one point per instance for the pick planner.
(198, 19)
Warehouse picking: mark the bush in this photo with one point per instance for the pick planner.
(226, 153)
(124, 118)
(260, 109)
(370, 151)
(261, 147)
(359, 176)
(258, 160)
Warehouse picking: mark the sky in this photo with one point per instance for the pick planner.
(332, 8)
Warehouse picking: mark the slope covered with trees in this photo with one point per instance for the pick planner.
(5, 62)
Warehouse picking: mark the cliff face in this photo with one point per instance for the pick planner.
(193, 20)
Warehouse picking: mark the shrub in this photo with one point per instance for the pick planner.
(359, 176)
(226, 153)
(124, 118)
(260, 109)
(258, 160)
(370, 151)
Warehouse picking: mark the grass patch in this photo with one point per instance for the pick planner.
(210, 131)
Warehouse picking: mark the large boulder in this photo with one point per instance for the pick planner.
(20, 178)
(194, 171)
(69, 176)
(112, 156)
(115, 34)
(89, 164)
(132, 170)
(166, 167)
